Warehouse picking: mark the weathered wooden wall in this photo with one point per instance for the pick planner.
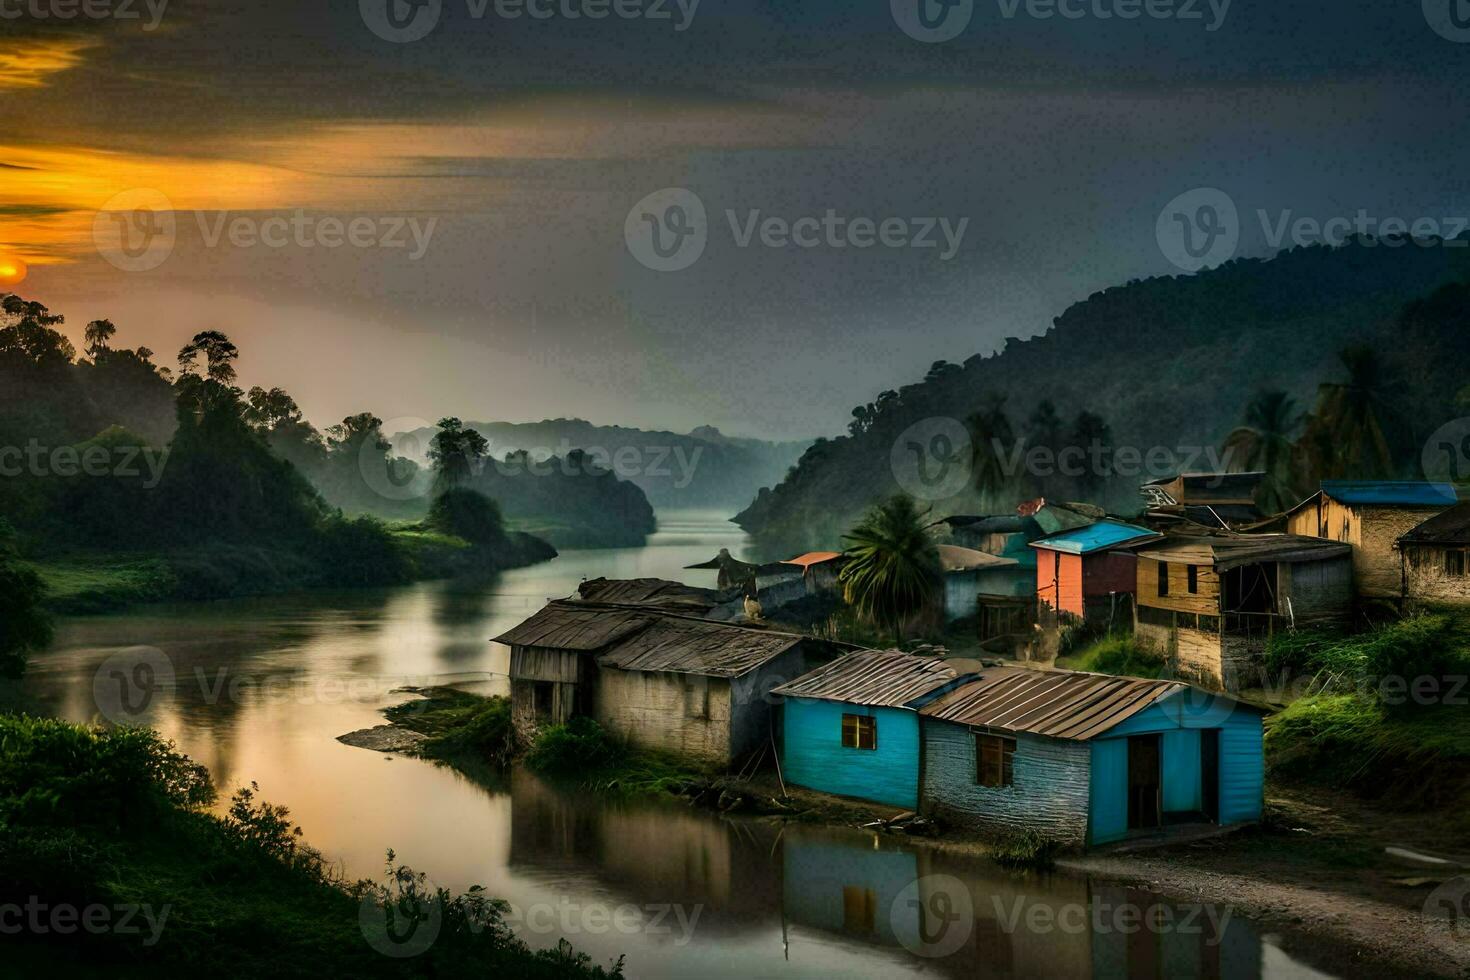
(1205, 599)
(1319, 590)
(1049, 794)
(1372, 531)
(1424, 571)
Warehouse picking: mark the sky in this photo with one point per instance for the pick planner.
(753, 215)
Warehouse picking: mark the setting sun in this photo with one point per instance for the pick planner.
(12, 271)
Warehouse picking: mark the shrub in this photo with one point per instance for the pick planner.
(469, 515)
(1027, 849)
(578, 746)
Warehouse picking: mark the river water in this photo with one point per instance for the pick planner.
(261, 688)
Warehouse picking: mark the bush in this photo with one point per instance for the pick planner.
(1419, 646)
(354, 552)
(581, 745)
(1118, 654)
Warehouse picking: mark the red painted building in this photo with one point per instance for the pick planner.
(1079, 572)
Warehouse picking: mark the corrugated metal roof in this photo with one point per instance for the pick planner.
(877, 678)
(692, 646)
(1391, 493)
(567, 625)
(1449, 527)
(1095, 537)
(813, 558)
(1226, 551)
(1054, 703)
(651, 592)
(953, 558)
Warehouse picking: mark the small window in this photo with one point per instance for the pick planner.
(1192, 578)
(993, 760)
(1163, 578)
(859, 732)
(1454, 563)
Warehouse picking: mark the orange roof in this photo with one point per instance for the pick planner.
(812, 558)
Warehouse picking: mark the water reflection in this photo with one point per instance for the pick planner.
(262, 688)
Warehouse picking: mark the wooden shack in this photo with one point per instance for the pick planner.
(1210, 602)
(1088, 758)
(850, 727)
(1213, 500)
(1371, 516)
(1435, 558)
(1081, 573)
(661, 680)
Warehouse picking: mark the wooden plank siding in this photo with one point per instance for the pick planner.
(1049, 793)
(1204, 600)
(1427, 576)
(813, 754)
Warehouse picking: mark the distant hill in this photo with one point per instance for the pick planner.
(1167, 362)
(700, 469)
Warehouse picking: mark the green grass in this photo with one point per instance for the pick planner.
(582, 751)
(107, 817)
(1027, 849)
(1116, 654)
(460, 726)
(102, 582)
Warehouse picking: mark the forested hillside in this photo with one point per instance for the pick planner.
(1165, 362)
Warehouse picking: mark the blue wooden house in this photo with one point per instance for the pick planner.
(851, 727)
(1088, 758)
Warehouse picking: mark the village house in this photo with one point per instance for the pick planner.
(1215, 500)
(1081, 574)
(976, 581)
(1209, 602)
(850, 728)
(1435, 558)
(773, 583)
(1371, 516)
(819, 570)
(659, 679)
(1087, 759)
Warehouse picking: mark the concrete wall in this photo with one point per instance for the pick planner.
(1049, 794)
(1424, 570)
(683, 714)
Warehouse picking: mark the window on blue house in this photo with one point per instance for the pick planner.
(859, 732)
(993, 760)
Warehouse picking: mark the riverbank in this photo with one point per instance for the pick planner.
(89, 583)
(107, 830)
(1351, 879)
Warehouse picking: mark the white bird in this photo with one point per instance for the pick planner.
(752, 607)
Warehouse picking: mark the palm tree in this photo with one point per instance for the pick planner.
(893, 571)
(991, 442)
(1264, 443)
(1346, 435)
(97, 334)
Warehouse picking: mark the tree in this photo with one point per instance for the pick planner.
(1347, 439)
(219, 356)
(97, 334)
(1092, 435)
(24, 625)
(27, 334)
(456, 453)
(1264, 444)
(992, 440)
(1044, 430)
(892, 572)
(467, 514)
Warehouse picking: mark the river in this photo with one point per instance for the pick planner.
(261, 688)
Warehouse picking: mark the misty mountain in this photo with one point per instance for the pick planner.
(1166, 363)
(703, 468)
